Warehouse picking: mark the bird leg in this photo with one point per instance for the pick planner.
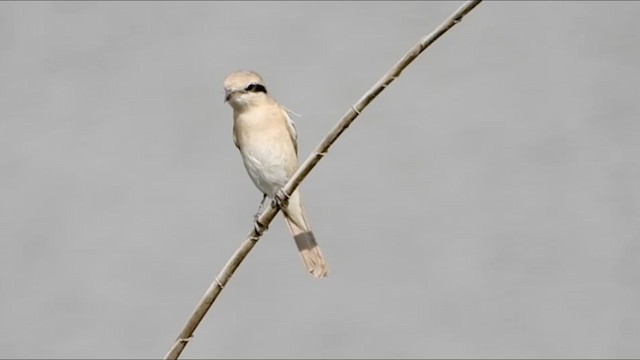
(257, 225)
(255, 217)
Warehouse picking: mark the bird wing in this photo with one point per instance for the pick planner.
(235, 138)
(291, 126)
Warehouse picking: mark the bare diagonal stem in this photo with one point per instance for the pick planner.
(267, 216)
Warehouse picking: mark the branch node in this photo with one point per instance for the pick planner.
(321, 154)
(185, 340)
(353, 107)
(391, 79)
(221, 287)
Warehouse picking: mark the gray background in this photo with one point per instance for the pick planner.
(485, 205)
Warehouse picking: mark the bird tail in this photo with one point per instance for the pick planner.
(308, 247)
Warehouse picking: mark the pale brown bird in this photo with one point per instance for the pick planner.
(266, 137)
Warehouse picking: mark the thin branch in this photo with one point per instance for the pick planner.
(267, 216)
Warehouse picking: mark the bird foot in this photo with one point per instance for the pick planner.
(259, 227)
(281, 200)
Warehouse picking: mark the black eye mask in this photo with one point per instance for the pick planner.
(256, 88)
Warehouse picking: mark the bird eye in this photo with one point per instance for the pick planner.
(255, 88)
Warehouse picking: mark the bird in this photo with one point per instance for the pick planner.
(266, 137)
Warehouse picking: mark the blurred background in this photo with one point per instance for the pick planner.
(485, 205)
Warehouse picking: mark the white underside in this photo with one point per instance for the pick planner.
(267, 171)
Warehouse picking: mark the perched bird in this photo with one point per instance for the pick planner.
(266, 137)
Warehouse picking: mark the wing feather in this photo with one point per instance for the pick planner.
(291, 126)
